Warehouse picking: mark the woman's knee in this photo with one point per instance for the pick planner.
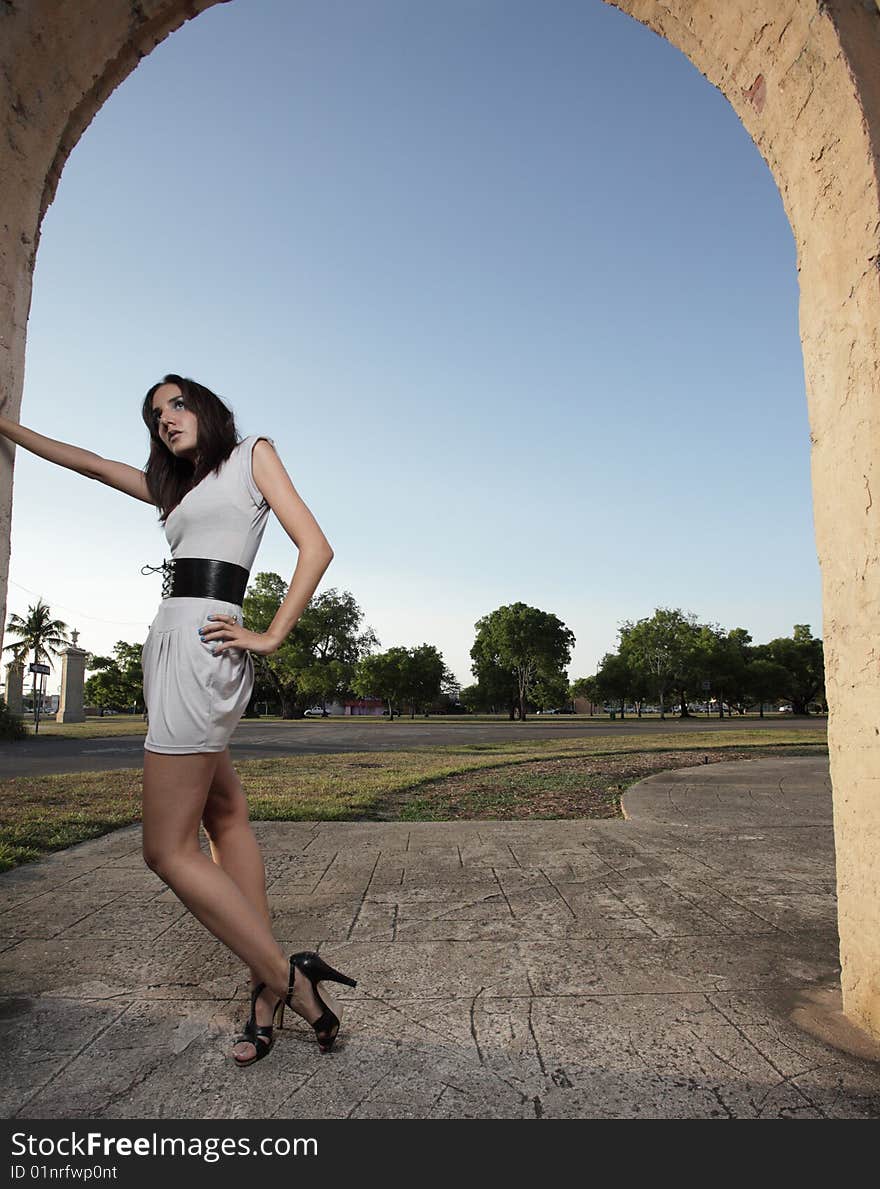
(223, 820)
(226, 806)
(175, 792)
(162, 858)
(153, 857)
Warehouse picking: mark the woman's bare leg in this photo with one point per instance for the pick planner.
(235, 849)
(232, 840)
(175, 796)
(175, 793)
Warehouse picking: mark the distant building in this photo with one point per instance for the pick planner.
(364, 706)
(585, 706)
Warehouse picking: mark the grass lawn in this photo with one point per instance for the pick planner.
(516, 780)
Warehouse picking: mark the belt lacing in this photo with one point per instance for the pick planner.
(167, 568)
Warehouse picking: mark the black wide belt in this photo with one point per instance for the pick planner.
(202, 578)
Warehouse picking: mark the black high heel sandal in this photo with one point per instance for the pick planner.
(261, 1036)
(316, 970)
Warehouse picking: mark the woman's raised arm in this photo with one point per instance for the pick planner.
(115, 474)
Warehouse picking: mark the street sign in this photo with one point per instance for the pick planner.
(38, 669)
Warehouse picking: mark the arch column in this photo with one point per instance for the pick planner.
(59, 62)
(802, 76)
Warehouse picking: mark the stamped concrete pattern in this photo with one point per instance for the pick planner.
(550, 969)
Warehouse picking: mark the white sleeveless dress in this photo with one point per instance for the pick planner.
(195, 698)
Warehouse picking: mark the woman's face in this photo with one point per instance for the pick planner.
(176, 424)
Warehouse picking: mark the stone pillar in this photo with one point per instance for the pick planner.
(802, 76)
(14, 682)
(73, 669)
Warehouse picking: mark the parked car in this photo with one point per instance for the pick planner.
(316, 712)
(546, 711)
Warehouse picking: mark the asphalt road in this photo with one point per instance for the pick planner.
(255, 740)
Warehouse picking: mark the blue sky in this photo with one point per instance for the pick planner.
(508, 283)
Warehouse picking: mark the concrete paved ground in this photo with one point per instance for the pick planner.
(664, 966)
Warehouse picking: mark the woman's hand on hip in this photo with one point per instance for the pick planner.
(224, 631)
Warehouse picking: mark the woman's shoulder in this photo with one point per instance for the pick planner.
(251, 440)
(246, 446)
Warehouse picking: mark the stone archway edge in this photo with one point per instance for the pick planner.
(801, 75)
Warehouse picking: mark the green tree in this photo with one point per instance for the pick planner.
(416, 677)
(551, 692)
(472, 698)
(765, 681)
(586, 687)
(737, 651)
(802, 658)
(717, 665)
(318, 660)
(385, 675)
(118, 680)
(527, 644)
(425, 676)
(660, 649)
(448, 700)
(496, 687)
(615, 680)
(329, 633)
(284, 672)
(38, 634)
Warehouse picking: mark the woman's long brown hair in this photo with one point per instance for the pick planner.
(169, 478)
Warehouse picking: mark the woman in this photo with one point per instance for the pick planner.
(214, 494)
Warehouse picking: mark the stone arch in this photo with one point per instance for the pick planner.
(802, 77)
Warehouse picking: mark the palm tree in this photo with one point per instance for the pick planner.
(37, 632)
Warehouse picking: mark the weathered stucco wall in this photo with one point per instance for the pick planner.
(802, 75)
(59, 61)
(804, 78)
